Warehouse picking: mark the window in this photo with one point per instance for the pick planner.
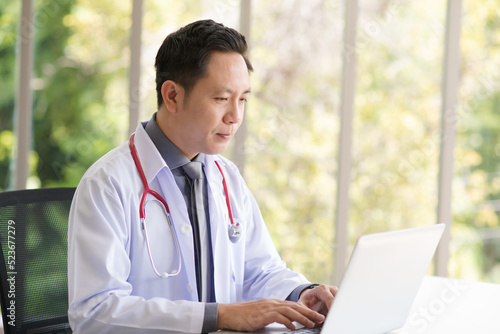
(293, 127)
(81, 104)
(397, 116)
(9, 25)
(475, 247)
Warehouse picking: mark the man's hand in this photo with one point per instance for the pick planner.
(319, 299)
(250, 316)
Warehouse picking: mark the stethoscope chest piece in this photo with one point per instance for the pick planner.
(234, 232)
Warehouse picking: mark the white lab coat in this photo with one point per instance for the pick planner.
(112, 286)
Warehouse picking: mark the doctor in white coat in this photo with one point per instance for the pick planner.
(123, 279)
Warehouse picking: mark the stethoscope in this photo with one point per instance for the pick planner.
(234, 228)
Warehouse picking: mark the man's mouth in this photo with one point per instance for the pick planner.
(225, 135)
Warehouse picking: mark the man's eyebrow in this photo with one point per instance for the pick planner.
(230, 91)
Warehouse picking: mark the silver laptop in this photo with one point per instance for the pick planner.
(381, 281)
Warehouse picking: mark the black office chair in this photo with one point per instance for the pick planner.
(33, 268)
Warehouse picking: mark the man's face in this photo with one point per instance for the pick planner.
(207, 119)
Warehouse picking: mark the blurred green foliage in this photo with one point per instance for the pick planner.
(74, 121)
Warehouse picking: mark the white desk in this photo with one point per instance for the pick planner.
(454, 306)
(447, 306)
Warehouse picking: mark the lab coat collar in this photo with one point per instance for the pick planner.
(151, 160)
(212, 172)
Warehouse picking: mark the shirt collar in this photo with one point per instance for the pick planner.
(172, 155)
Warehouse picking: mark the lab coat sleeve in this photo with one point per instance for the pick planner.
(100, 298)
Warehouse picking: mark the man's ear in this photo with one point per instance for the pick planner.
(170, 93)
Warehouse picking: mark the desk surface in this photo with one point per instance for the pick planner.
(449, 306)
(446, 305)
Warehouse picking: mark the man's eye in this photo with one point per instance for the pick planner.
(221, 98)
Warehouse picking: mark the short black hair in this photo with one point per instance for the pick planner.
(184, 55)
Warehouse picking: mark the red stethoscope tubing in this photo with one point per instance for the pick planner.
(142, 215)
(147, 190)
(226, 192)
(234, 228)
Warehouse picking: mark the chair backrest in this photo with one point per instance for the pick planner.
(33, 268)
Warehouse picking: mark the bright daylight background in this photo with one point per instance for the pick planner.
(81, 111)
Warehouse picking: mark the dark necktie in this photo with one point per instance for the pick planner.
(194, 171)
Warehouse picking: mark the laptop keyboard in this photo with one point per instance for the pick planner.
(315, 330)
(304, 330)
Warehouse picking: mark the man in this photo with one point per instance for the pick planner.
(215, 266)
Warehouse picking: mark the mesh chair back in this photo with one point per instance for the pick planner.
(33, 268)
